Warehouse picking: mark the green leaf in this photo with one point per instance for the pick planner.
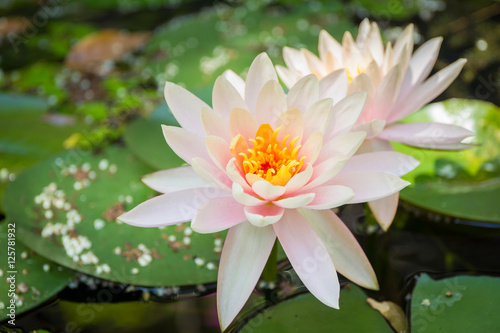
(463, 184)
(36, 279)
(66, 208)
(458, 304)
(304, 313)
(196, 49)
(28, 134)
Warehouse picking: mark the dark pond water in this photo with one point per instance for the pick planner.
(419, 241)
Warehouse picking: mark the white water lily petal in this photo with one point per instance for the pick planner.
(293, 125)
(226, 97)
(391, 162)
(237, 82)
(218, 150)
(267, 191)
(328, 44)
(288, 76)
(420, 65)
(372, 128)
(427, 91)
(304, 93)
(299, 180)
(168, 209)
(295, 59)
(342, 145)
(312, 147)
(261, 216)
(369, 185)
(373, 145)
(185, 144)
(309, 257)
(211, 174)
(325, 171)
(174, 180)
(317, 117)
(345, 251)
(235, 175)
(260, 72)
(384, 210)
(296, 201)
(243, 258)
(387, 93)
(328, 197)
(271, 103)
(374, 44)
(334, 86)
(314, 63)
(213, 124)
(242, 122)
(218, 214)
(426, 135)
(245, 198)
(345, 114)
(185, 107)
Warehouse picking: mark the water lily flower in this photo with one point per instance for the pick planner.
(267, 165)
(396, 84)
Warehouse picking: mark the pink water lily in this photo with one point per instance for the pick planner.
(396, 84)
(269, 165)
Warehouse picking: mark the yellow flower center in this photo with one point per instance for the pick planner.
(268, 158)
(351, 75)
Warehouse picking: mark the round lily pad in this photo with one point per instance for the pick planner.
(457, 304)
(304, 313)
(194, 50)
(464, 184)
(25, 126)
(66, 209)
(35, 279)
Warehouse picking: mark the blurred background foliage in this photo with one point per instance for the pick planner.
(81, 82)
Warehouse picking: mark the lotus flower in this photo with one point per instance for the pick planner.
(396, 84)
(268, 165)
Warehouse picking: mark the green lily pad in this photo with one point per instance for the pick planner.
(66, 208)
(29, 134)
(141, 316)
(36, 279)
(196, 49)
(458, 304)
(463, 184)
(304, 313)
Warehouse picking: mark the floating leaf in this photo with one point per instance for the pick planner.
(458, 304)
(29, 134)
(304, 313)
(196, 49)
(36, 279)
(66, 208)
(91, 52)
(188, 315)
(463, 184)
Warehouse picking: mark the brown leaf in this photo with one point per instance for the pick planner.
(92, 52)
(392, 313)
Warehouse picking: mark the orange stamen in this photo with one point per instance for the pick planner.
(277, 163)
